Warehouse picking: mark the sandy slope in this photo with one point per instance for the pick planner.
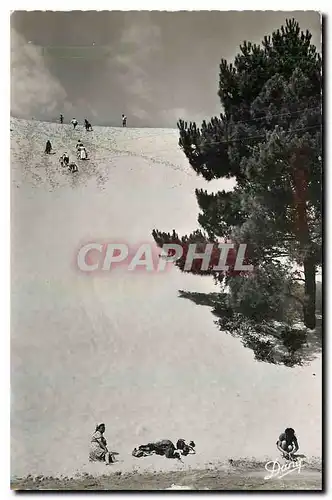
(123, 348)
(194, 479)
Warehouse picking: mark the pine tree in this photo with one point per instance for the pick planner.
(269, 139)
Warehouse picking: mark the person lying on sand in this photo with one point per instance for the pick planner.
(98, 447)
(165, 447)
(287, 443)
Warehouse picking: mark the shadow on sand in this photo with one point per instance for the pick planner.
(276, 343)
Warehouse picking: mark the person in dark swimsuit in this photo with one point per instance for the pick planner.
(287, 443)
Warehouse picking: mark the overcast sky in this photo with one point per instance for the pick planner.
(155, 67)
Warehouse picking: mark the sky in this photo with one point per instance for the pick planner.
(153, 66)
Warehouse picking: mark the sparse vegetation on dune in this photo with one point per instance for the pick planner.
(240, 475)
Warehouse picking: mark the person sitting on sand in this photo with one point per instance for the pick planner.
(48, 147)
(165, 447)
(98, 447)
(287, 443)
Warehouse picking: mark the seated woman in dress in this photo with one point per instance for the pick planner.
(98, 447)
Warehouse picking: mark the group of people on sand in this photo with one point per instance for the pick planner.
(74, 122)
(81, 154)
(99, 451)
(87, 124)
(287, 444)
(64, 162)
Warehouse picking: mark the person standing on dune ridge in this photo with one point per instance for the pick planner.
(87, 125)
(74, 122)
(124, 121)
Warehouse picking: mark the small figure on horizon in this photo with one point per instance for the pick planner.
(98, 447)
(61, 119)
(48, 147)
(74, 122)
(287, 443)
(87, 125)
(124, 120)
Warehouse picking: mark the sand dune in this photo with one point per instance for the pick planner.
(124, 348)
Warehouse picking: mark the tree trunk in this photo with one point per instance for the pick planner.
(309, 307)
(301, 199)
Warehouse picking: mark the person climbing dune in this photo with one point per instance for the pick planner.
(83, 153)
(73, 167)
(65, 157)
(48, 147)
(64, 160)
(88, 126)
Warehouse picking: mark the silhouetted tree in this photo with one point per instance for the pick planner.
(268, 138)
